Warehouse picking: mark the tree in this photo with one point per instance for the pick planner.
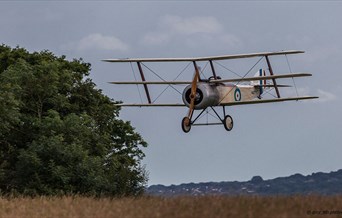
(61, 135)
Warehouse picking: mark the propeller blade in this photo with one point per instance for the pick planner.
(193, 93)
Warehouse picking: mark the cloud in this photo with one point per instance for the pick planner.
(156, 38)
(321, 53)
(192, 25)
(190, 31)
(325, 96)
(97, 41)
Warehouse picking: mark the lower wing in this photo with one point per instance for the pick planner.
(259, 101)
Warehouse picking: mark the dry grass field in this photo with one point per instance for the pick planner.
(209, 206)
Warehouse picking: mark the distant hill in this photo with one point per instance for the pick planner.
(316, 183)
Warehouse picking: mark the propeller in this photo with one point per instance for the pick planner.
(192, 97)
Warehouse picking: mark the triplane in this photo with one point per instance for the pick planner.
(201, 94)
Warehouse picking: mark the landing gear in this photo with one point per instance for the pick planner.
(186, 124)
(228, 122)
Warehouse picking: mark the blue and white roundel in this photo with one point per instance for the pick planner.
(237, 94)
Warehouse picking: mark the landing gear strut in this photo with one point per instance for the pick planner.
(227, 121)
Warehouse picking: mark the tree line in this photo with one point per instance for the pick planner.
(59, 134)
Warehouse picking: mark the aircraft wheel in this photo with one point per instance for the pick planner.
(228, 123)
(186, 126)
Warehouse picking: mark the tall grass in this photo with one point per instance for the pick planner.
(207, 206)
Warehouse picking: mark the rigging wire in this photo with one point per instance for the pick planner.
(202, 70)
(269, 92)
(218, 63)
(173, 80)
(294, 83)
(160, 77)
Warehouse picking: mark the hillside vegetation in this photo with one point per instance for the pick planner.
(317, 183)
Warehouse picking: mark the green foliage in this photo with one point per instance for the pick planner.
(61, 135)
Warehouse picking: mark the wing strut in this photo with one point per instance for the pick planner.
(145, 85)
(271, 72)
(213, 69)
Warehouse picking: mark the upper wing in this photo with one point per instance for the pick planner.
(209, 58)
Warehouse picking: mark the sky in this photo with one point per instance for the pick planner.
(269, 140)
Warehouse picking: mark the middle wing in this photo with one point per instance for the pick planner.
(151, 105)
(152, 83)
(268, 100)
(281, 76)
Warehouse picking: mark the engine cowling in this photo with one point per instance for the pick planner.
(206, 95)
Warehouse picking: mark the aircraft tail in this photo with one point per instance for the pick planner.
(260, 84)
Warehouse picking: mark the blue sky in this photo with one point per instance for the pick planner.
(269, 140)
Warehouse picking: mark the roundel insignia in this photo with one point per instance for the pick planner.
(237, 94)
